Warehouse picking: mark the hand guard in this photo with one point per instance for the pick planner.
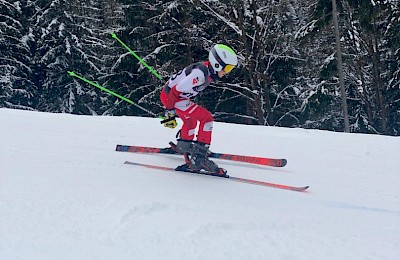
(170, 120)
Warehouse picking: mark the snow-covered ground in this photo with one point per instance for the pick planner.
(66, 194)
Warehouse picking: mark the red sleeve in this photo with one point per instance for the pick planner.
(172, 98)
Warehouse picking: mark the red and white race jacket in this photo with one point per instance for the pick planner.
(185, 85)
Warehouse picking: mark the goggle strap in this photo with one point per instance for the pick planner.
(218, 58)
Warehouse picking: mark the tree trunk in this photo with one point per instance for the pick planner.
(376, 74)
(246, 54)
(364, 94)
(340, 68)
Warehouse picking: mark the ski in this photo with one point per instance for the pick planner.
(224, 156)
(228, 177)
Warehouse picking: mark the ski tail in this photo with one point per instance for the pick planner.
(143, 149)
(150, 166)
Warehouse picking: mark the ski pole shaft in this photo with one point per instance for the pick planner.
(137, 57)
(73, 74)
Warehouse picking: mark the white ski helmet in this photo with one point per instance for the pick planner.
(222, 57)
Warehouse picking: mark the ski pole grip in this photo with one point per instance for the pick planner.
(168, 119)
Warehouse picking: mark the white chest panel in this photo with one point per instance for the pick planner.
(190, 85)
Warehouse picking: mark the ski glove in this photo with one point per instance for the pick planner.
(170, 120)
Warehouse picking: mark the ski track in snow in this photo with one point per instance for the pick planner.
(66, 194)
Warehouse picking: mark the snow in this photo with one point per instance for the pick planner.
(66, 194)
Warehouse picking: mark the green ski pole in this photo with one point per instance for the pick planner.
(137, 57)
(73, 74)
(141, 61)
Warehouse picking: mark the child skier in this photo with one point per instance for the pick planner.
(176, 97)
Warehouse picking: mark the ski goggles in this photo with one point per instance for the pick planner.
(228, 68)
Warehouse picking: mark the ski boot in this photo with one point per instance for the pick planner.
(183, 146)
(197, 160)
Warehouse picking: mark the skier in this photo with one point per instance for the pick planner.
(176, 96)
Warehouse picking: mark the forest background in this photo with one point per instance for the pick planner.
(287, 74)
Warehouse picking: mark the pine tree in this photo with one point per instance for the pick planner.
(17, 89)
(135, 81)
(364, 42)
(261, 32)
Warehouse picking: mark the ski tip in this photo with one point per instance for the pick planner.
(300, 189)
(122, 148)
(304, 188)
(284, 162)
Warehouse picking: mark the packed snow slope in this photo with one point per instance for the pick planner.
(65, 193)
